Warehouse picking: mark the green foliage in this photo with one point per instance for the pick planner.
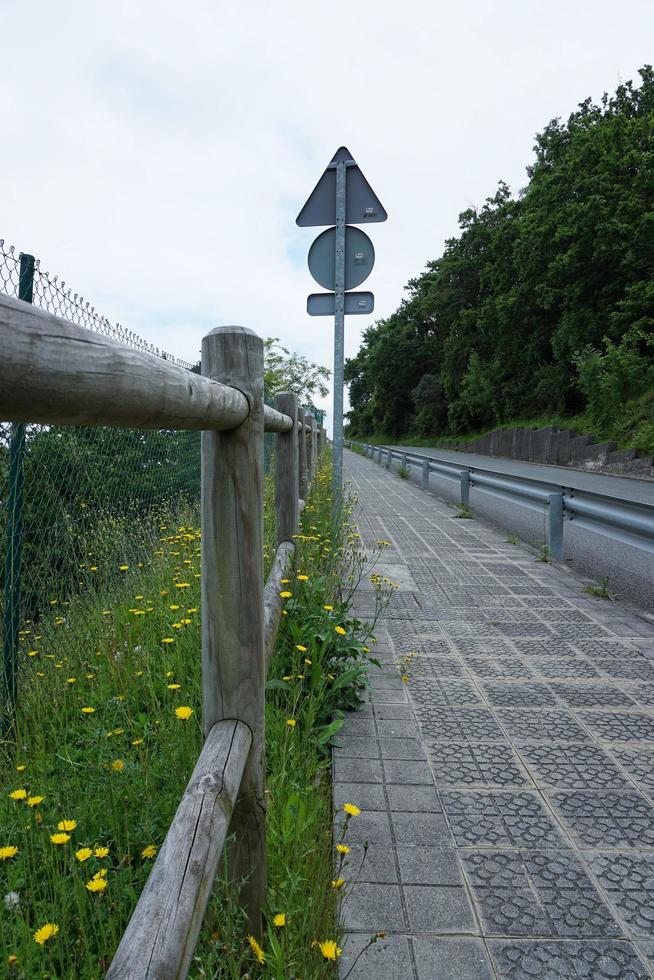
(544, 303)
(286, 371)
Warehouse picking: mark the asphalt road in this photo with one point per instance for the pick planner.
(593, 556)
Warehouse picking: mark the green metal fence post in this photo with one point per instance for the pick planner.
(14, 535)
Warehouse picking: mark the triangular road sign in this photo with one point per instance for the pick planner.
(362, 206)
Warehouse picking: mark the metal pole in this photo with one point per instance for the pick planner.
(339, 334)
(555, 525)
(14, 536)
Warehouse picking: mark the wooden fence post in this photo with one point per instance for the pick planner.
(302, 457)
(286, 471)
(314, 444)
(233, 671)
(309, 438)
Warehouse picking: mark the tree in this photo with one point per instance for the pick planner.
(286, 371)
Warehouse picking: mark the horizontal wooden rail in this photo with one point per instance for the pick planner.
(55, 372)
(272, 601)
(274, 421)
(160, 939)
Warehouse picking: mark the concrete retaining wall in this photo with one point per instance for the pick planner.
(560, 447)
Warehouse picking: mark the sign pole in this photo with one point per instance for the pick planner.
(339, 334)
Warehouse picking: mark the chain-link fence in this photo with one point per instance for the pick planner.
(79, 505)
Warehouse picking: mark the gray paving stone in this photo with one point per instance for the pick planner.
(628, 879)
(397, 728)
(610, 819)
(525, 725)
(421, 828)
(475, 763)
(447, 724)
(387, 959)
(439, 909)
(403, 771)
(376, 863)
(374, 908)
(403, 748)
(371, 825)
(354, 725)
(571, 766)
(357, 771)
(355, 747)
(451, 959)
(413, 799)
(393, 712)
(428, 865)
(591, 960)
(367, 796)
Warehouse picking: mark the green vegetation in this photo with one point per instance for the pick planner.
(107, 733)
(542, 308)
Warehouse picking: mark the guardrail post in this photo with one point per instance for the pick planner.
(405, 464)
(309, 441)
(555, 525)
(14, 537)
(465, 488)
(389, 459)
(425, 474)
(233, 672)
(286, 471)
(303, 483)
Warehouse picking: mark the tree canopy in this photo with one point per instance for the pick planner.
(543, 302)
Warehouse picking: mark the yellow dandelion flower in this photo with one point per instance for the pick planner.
(118, 765)
(35, 800)
(338, 883)
(174, 687)
(291, 722)
(329, 608)
(21, 768)
(405, 678)
(137, 741)
(59, 838)
(168, 639)
(339, 630)
(88, 711)
(298, 646)
(18, 794)
(279, 920)
(351, 809)
(183, 712)
(149, 851)
(286, 595)
(284, 581)
(9, 851)
(303, 578)
(67, 825)
(48, 931)
(256, 949)
(329, 949)
(83, 854)
(343, 849)
(102, 873)
(182, 585)
(101, 852)
(123, 568)
(96, 884)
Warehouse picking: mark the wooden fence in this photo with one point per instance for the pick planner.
(54, 372)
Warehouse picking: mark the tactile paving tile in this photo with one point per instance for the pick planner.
(628, 880)
(511, 694)
(501, 819)
(571, 766)
(622, 819)
(462, 724)
(524, 725)
(638, 763)
(622, 726)
(537, 893)
(563, 960)
(445, 693)
(590, 695)
(475, 764)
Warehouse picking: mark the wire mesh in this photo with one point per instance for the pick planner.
(91, 501)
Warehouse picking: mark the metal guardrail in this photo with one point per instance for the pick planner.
(623, 520)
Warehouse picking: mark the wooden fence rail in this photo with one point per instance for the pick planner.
(54, 372)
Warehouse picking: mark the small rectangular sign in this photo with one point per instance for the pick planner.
(324, 304)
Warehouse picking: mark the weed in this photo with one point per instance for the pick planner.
(463, 512)
(403, 471)
(600, 591)
(545, 554)
(512, 539)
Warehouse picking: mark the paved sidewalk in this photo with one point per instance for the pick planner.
(506, 788)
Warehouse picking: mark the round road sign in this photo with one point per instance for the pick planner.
(359, 258)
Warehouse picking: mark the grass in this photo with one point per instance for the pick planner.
(632, 428)
(600, 591)
(108, 779)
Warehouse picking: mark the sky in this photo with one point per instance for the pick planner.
(155, 154)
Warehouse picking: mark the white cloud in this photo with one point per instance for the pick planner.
(156, 156)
